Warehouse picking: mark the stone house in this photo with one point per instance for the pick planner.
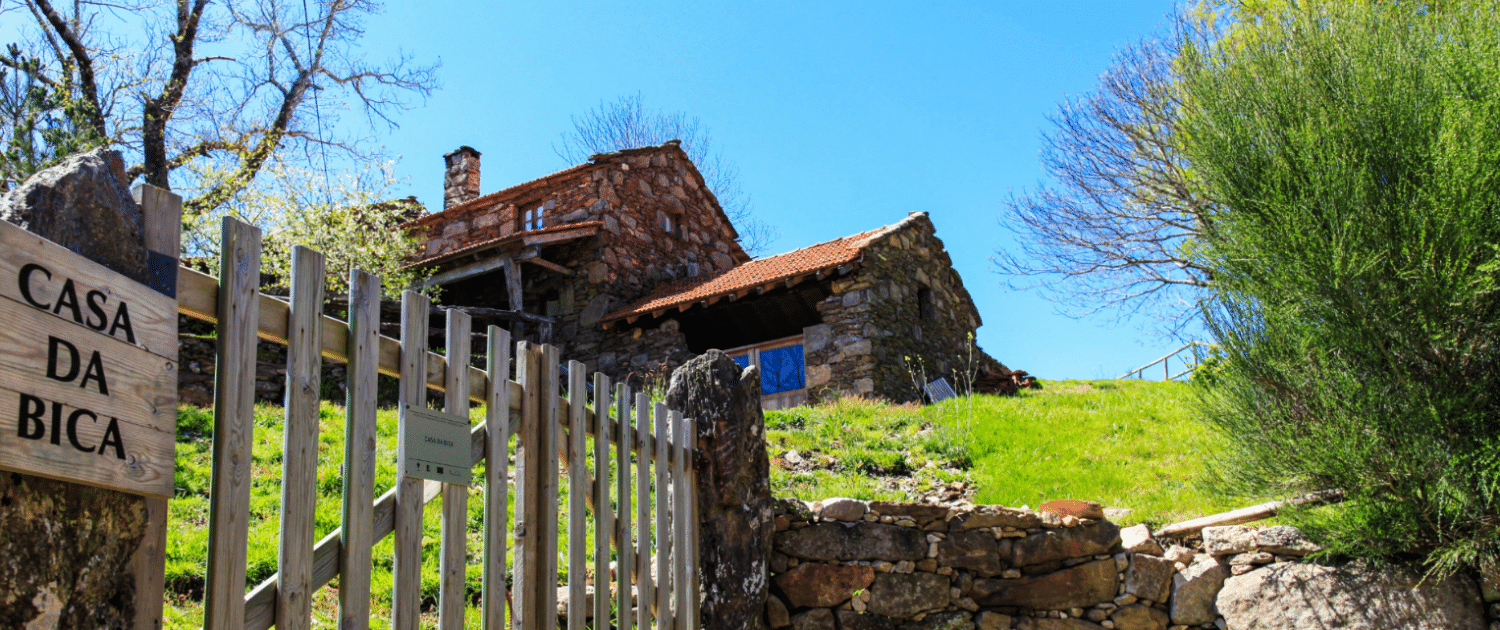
(629, 264)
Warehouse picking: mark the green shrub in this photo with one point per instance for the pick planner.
(1353, 151)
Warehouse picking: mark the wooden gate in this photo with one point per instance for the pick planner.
(644, 554)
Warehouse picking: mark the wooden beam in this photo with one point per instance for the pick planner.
(1248, 514)
(547, 264)
(560, 236)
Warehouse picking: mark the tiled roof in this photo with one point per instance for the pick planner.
(756, 273)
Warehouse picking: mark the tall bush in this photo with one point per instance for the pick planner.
(1353, 152)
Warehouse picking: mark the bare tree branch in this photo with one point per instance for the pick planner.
(627, 124)
(1116, 231)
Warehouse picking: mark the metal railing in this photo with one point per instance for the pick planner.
(1166, 371)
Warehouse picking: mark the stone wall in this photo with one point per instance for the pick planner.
(877, 339)
(844, 564)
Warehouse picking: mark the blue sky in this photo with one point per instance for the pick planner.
(840, 116)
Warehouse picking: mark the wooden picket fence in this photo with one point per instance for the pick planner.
(550, 434)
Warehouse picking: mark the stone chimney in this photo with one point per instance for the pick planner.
(460, 176)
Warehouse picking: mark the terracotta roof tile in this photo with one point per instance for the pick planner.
(760, 272)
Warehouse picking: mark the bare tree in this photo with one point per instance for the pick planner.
(627, 124)
(275, 76)
(1117, 230)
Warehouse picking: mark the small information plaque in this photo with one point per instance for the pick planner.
(939, 390)
(435, 445)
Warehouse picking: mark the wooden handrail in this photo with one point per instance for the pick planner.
(1142, 369)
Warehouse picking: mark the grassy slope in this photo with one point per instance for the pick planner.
(1127, 444)
(1124, 443)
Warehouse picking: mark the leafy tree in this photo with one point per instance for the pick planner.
(627, 123)
(43, 122)
(1353, 154)
(216, 88)
(353, 223)
(1116, 229)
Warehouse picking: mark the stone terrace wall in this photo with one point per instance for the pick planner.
(844, 564)
(872, 322)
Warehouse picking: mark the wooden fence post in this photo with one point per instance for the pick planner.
(452, 593)
(234, 423)
(603, 515)
(406, 597)
(497, 460)
(663, 522)
(625, 558)
(299, 445)
(358, 523)
(531, 455)
(578, 472)
(645, 583)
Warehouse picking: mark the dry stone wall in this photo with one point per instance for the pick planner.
(844, 564)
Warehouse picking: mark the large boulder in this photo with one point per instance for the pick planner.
(1193, 592)
(1360, 596)
(906, 594)
(1149, 577)
(81, 205)
(735, 508)
(1080, 586)
(853, 541)
(974, 550)
(1138, 617)
(1069, 542)
(822, 585)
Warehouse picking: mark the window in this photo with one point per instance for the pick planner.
(925, 310)
(531, 219)
(782, 364)
(671, 223)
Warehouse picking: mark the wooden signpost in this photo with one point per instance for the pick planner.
(88, 370)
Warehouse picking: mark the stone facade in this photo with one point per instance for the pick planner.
(901, 318)
(879, 312)
(633, 197)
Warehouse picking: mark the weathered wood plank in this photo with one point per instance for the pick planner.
(299, 444)
(358, 521)
(552, 414)
(161, 212)
(603, 513)
(406, 598)
(234, 421)
(451, 591)
(578, 492)
(645, 582)
(67, 287)
(681, 529)
(497, 460)
(664, 615)
(624, 544)
(129, 389)
(531, 457)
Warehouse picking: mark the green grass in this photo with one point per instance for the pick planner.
(1129, 444)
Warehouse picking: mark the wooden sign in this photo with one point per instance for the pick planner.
(434, 445)
(88, 370)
